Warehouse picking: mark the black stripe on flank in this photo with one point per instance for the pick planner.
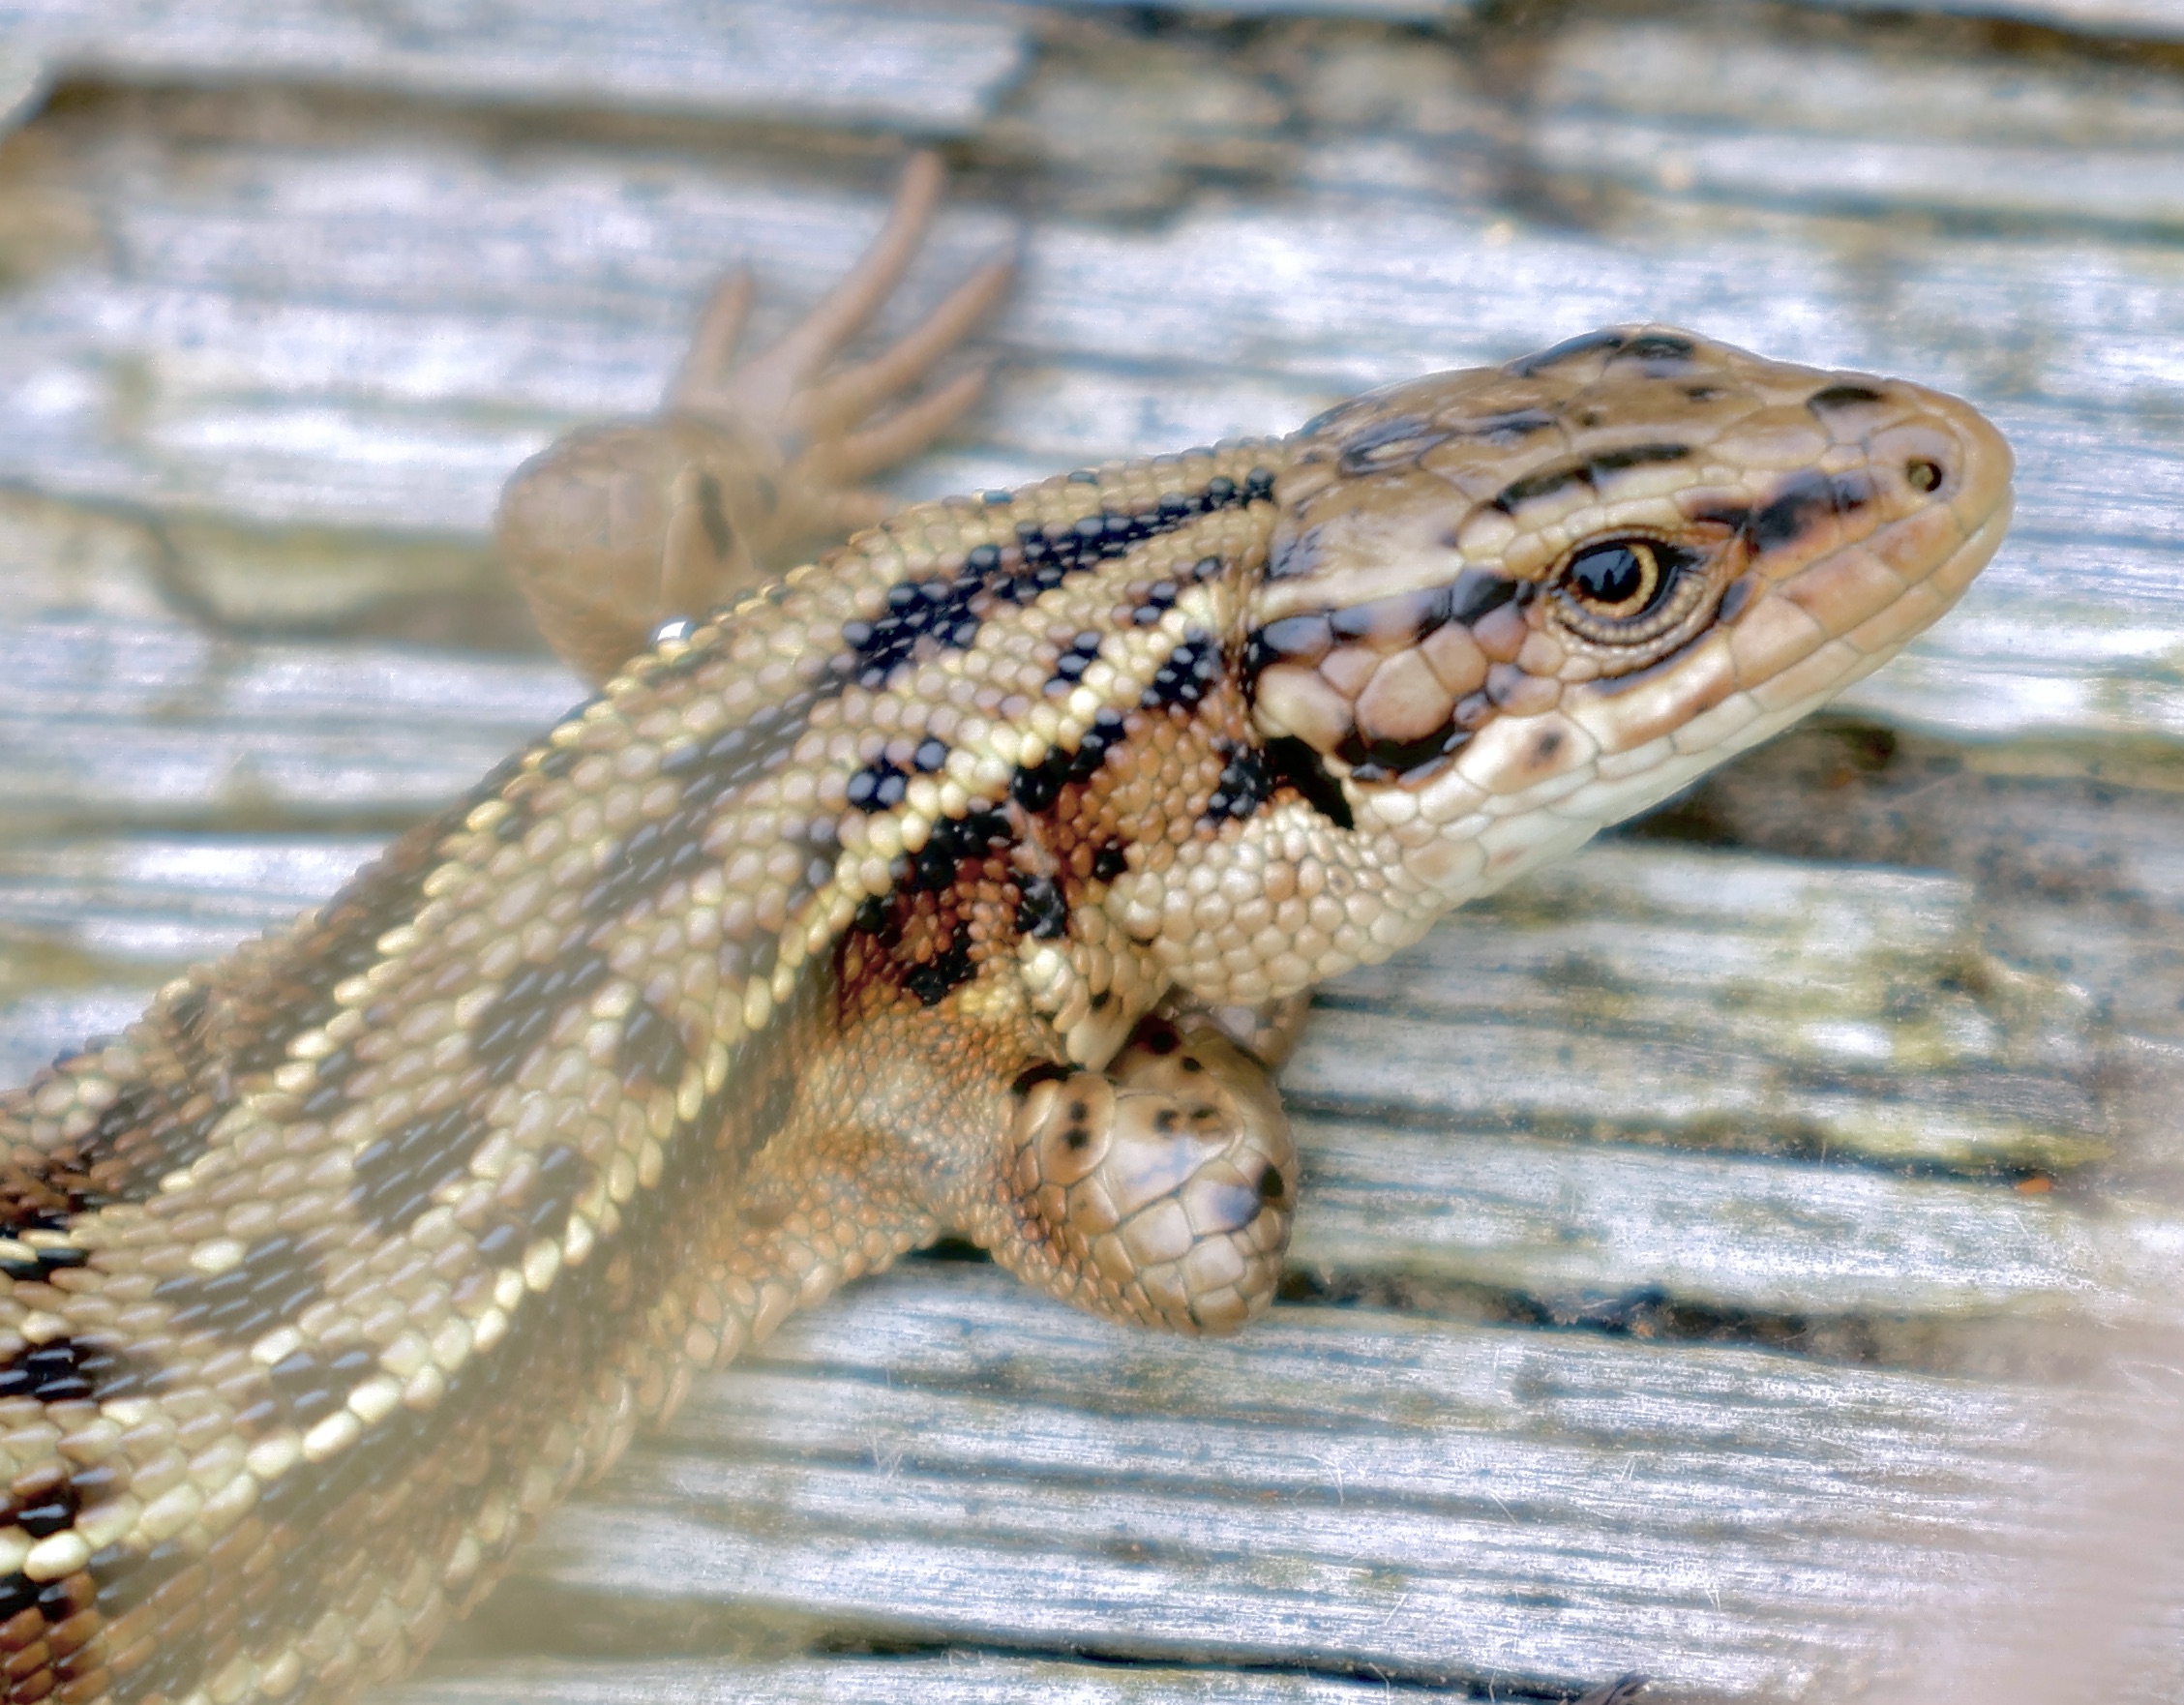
(396, 1177)
(652, 1048)
(67, 1369)
(657, 853)
(517, 1021)
(276, 1280)
(941, 613)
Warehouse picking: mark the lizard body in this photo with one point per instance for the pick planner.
(895, 898)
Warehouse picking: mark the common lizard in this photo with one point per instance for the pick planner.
(964, 881)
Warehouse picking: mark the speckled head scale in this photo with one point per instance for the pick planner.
(1484, 584)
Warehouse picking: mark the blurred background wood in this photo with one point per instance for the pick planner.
(1708, 1248)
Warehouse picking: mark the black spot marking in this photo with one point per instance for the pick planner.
(517, 1021)
(68, 1369)
(1569, 349)
(1635, 456)
(1044, 1071)
(1518, 492)
(1802, 503)
(1109, 862)
(1158, 600)
(1244, 786)
(1037, 786)
(976, 835)
(652, 1048)
(1192, 668)
(1842, 396)
(714, 515)
(1294, 764)
(930, 755)
(1041, 910)
(1545, 747)
(878, 786)
(932, 980)
(276, 1280)
(871, 915)
(1069, 668)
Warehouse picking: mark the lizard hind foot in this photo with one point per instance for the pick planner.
(1161, 1191)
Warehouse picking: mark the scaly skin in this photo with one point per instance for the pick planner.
(889, 902)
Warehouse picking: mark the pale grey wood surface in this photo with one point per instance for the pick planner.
(1705, 1250)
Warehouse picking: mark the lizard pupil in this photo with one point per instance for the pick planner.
(1618, 578)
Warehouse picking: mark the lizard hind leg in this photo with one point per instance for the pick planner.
(1159, 1191)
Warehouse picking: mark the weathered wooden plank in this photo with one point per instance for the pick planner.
(932, 69)
(960, 1678)
(115, 720)
(942, 1457)
(1723, 106)
(1589, 1230)
(2141, 20)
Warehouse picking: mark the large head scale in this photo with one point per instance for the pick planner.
(1507, 607)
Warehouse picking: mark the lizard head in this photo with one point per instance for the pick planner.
(1504, 608)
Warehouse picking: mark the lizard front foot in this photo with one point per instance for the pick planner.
(615, 529)
(1159, 1191)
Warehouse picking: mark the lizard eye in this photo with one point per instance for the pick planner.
(1625, 590)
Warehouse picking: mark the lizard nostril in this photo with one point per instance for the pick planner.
(1271, 1185)
(1923, 474)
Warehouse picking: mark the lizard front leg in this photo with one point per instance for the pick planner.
(1159, 1191)
(615, 528)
